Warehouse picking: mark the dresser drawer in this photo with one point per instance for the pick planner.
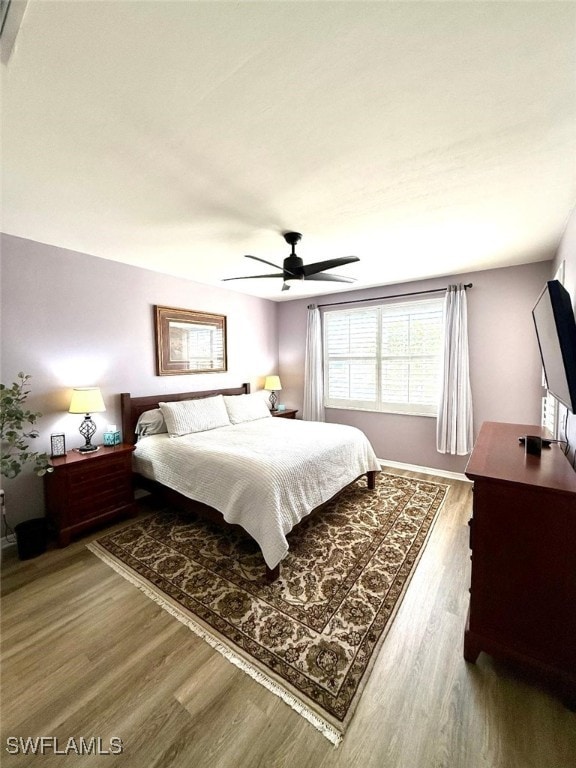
(103, 501)
(86, 483)
(101, 472)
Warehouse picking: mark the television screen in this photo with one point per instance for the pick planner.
(556, 331)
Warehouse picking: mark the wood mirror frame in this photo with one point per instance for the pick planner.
(188, 341)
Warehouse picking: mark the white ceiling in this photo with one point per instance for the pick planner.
(427, 138)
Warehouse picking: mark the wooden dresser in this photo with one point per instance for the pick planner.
(87, 489)
(523, 542)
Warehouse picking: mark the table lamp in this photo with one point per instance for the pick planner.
(273, 384)
(87, 400)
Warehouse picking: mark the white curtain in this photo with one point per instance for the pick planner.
(313, 373)
(454, 433)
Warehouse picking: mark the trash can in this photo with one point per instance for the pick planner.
(31, 538)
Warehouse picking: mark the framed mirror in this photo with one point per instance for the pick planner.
(188, 341)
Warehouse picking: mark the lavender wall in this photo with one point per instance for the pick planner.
(70, 319)
(505, 368)
(567, 254)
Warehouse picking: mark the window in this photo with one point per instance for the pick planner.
(384, 357)
(550, 414)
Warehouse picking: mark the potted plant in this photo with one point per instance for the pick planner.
(16, 428)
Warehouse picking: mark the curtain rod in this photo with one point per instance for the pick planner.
(393, 296)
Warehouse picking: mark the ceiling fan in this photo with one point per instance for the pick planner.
(293, 268)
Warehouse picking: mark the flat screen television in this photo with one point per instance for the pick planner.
(556, 331)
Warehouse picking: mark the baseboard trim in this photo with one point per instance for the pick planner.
(425, 470)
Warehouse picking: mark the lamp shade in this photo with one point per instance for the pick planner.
(272, 383)
(87, 400)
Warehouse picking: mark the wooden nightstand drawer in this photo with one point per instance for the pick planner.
(86, 489)
(102, 502)
(107, 472)
(112, 477)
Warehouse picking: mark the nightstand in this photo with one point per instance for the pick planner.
(87, 489)
(289, 413)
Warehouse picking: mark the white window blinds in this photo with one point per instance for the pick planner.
(384, 357)
(550, 414)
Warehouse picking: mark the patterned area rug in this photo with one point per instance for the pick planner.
(312, 636)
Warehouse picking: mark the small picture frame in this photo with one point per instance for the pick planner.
(57, 445)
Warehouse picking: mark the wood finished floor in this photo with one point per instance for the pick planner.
(85, 653)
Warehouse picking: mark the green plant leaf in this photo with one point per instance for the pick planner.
(14, 431)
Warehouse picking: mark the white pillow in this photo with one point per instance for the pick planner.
(246, 408)
(151, 423)
(186, 416)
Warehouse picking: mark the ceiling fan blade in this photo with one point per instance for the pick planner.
(252, 277)
(333, 278)
(256, 258)
(320, 266)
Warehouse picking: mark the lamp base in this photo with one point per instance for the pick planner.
(87, 430)
(88, 448)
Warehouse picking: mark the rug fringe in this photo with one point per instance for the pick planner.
(327, 730)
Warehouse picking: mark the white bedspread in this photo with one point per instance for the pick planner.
(263, 475)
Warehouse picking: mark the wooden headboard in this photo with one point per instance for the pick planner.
(134, 407)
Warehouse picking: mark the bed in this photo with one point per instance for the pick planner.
(241, 466)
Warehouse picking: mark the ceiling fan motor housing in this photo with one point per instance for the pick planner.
(293, 268)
